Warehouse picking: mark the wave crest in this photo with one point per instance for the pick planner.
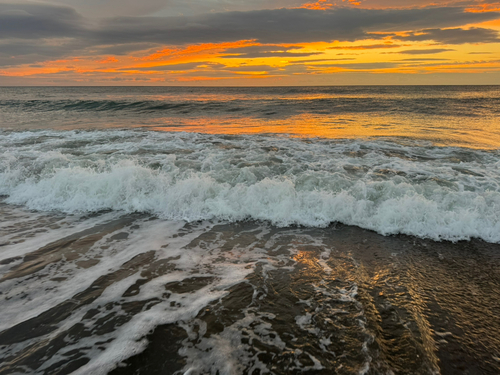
(432, 192)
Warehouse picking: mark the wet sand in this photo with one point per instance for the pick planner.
(139, 295)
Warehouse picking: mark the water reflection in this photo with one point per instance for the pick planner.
(478, 133)
(466, 116)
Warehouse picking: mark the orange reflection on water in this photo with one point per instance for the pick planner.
(461, 132)
(309, 260)
(307, 125)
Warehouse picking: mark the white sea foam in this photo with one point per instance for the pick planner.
(18, 242)
(390, 187)
(179, 253)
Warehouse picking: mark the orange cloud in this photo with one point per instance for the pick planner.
(198, 48)
(483, 8)
(369, 46)
(110, 59)
(200, 78)
(255, 73)
(353, 2)
(50, 67)
(323, 5)
(208, 62)
(319, 5)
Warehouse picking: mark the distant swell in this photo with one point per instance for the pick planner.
(276, 106)
(92, 105)
(432, 192)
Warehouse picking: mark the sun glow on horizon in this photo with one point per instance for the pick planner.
(469, 48)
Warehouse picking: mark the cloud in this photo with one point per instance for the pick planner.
(48, 30)
(366, 46)
(477, 64)
(280, 26)
(124, 48)
(100, 8)
(24, 51)
(425, 51)
(319, 5)
(208, 68)
(173, 67)
(423, 59)
(355, 66)
(268, 50)
(107, 8)
(39, 20)
(252, 68)
(320, 60)
(454, 36)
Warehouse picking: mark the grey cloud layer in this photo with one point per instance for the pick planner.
(269, 50)
(456, 36)
(38, 20)
(282, 25)
(428, 51)
(65, 32)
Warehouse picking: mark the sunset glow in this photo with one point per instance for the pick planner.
(323, 42)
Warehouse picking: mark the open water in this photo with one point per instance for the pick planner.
(316, 230)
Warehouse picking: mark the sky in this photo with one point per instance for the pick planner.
(249, 43)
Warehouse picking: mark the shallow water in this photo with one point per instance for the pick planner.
(250, 231)
(159, 296)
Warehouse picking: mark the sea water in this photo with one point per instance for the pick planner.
(250, 230)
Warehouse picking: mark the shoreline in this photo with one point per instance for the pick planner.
(311, 298)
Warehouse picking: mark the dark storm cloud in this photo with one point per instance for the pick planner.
(64, 32)
(455, 36)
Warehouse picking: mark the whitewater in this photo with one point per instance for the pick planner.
(384, 185)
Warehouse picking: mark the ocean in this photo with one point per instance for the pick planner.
(279, 230)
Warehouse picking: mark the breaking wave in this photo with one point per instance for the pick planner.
(389, 186)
